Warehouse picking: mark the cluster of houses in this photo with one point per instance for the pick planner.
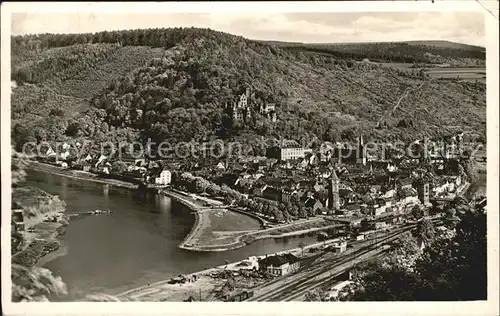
(126, 167)
(359, 184)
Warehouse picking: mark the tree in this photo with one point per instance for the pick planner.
(301, 246)
(34, 284)
(417, 212)
(56, 112)
(365, 225)
(201, 185)
(405, 252)
(119, 166)
(302, 212)
(314, 296)
(459, 262)
(278, 215)
(451, 268)
(18, 170)
(425, 231)
(450, 218)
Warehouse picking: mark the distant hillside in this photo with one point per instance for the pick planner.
(431, 52)
(448, 44)
(173, 84)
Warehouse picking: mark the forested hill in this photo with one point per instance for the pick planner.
(174, 83)
(418, 52)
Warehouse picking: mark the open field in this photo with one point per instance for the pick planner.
(458, 73)
(225, 220)
(444, 72)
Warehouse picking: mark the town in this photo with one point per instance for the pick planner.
(346, 195)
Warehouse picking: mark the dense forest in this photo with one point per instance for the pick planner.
(173, 84)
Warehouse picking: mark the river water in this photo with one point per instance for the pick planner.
(135, 245)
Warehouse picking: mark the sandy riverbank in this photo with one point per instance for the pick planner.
(203, 237)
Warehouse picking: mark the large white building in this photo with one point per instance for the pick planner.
(164, 178)
(289, 150)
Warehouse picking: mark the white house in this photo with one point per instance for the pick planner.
(389, 194)
(339, 246)
(87, 158)
(100, 160)
(391, 167)
(50, 152)
(164, 178)
(252, 263)
(64, 155)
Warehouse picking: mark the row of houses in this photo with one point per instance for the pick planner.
(153, 172)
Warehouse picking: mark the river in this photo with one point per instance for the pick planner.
(135, 245)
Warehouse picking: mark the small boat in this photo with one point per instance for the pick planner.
(97, 212)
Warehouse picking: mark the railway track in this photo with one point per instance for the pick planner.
(322, 271)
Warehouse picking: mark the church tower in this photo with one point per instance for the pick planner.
(423, 192)
(361, 154)
(333, 192)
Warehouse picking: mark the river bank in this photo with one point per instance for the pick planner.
(78, 174)
(45, 219)
(207, 282)
(205, 237)
(202, 237)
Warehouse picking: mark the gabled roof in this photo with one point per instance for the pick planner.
(272, 190)
(289, 144)
(406, 181)
(334, 175)
(279, 260)
(408, 192)
(353, 207)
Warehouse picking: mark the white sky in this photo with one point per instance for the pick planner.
(463, 27)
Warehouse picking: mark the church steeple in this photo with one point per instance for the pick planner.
(333, 192)
(361, 153)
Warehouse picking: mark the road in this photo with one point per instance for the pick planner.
(323, 270)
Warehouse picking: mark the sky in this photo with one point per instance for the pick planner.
(462, 27)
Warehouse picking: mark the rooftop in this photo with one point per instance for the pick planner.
(279, 260)
(288, 143)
